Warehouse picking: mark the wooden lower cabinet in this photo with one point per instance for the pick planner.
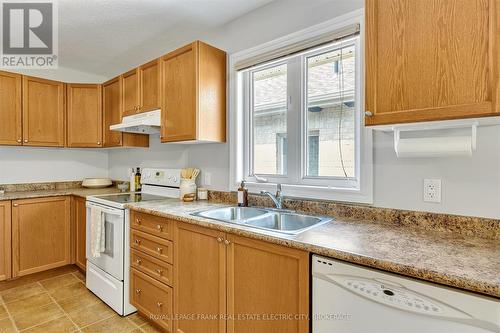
(152, 298)
(200, 279)
(5, 244)
(40, 234)
(80, 230)
(249, 282)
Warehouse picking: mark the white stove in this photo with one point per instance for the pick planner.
(108, 274)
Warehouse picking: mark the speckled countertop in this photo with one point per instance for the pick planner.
(465, 262)
(81, 192)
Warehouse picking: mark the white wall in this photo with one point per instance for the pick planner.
(33, 165)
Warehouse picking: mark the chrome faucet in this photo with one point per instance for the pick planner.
(276, 198)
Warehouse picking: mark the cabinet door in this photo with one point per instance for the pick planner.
(266, 279)
(5, 237)
(149, 86)
(84, 115)
(111, 100)
(10, 106)
(130, 93)
(43, 112)
(424, 63)
(40, 234)
(199, 283)
(80, 211)
(179, 101)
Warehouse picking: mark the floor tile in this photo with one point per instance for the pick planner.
(16, 294)
(59, 281)
(6, 326)
(29, 303)
(89, 315)
(71, 290)
(37, 316)
(59, 325)
(150, 328)
(79, 275)
(137, 319)
(78, 302)
(113, 324)
(3, 312)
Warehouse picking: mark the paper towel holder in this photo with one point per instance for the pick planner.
(468, 146)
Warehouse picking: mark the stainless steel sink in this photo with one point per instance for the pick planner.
(268, 219)
(231, 214)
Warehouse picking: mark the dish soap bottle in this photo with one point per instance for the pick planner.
(138, 180)
(242, 195)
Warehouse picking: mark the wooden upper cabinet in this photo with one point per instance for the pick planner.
(194, 94)
(431, 60)
(10, 109)
(84, 115)
(130, 92)
(112, 114)
(264, 278)
(149, 76)
(5, 240)
(43, 112)
(200, 279)
(40, 234)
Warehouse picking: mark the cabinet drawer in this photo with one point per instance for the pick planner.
(157, 247)
(151, 266)
(155, 225)
(152, 298)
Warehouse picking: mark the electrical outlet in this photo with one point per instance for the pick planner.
(208, 179)
(432, 190)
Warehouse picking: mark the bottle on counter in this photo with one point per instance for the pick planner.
(131, 172)
(138, 180)
(242, 195)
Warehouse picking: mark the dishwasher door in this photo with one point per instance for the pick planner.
(350, 299)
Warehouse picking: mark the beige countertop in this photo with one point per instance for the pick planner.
(465, 262)
(81, 192)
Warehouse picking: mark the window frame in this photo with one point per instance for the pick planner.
(311, 186)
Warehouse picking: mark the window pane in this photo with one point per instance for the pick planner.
(269, 120)
(331, 114)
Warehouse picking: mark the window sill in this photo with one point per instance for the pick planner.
(314, 192)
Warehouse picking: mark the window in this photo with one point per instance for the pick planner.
(299, 123)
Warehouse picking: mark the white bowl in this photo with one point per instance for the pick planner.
(96, 182)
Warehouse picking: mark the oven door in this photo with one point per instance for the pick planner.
(112, 259)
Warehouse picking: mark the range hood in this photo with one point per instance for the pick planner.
(142, 123)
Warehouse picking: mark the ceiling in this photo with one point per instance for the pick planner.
(107, 37)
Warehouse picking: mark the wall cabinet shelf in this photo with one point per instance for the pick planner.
(424, 64)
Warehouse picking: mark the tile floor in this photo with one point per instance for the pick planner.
(62, 304)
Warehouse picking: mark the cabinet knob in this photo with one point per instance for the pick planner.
(138, 261)
(368, 113)
(159, 249)
(159, 227)
(137, 241)
(15, 205)
(138, 291)
(227, 242)
(137, 221)
(19, 140)
(26, 140)
(99, 143)
(219, 239)
(159, 304)
(159, 271)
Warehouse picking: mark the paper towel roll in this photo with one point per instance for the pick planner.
(434, 147)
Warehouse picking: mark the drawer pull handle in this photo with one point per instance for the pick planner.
(138, 261)
(159, 304)
(137, 241)
(159, 271)
(159, 227)
(227, 242)
(159, 249)
(138, 221)
(219, 239)
(138, 291)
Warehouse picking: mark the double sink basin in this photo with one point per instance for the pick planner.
(281, 221)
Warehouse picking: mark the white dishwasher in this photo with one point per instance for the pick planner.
(352, 299)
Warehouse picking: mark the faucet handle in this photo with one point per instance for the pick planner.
(278, 187)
